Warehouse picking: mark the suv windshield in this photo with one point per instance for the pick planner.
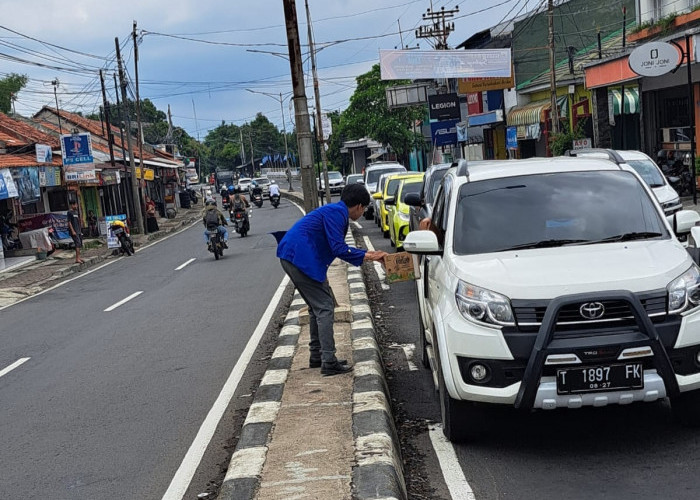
(373, 175)
(548, 210)
(435, 179)
(648, 171)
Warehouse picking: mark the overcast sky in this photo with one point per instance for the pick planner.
(210, 66)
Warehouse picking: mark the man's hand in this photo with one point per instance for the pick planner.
(425, 224)
(375, 255)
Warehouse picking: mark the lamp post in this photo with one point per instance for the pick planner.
(55, 83)
(284, 127)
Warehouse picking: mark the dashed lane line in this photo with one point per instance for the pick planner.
(14, 365)
(182, 266)
(123, 301)
(451, 470)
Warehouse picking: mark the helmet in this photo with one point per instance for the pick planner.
(272, 181)
(210, 202)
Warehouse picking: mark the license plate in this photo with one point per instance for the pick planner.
(600, 378)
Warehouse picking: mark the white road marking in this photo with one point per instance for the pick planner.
(377, 266)
(123, 301)
(182, 266)
(14, 365)
(452, 472)
(183, 476)
(357, 224)
(409, 350)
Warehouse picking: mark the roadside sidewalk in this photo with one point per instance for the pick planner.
(30, 278)
(314, 437)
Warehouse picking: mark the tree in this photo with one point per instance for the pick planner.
(9, 87)
(369, 116)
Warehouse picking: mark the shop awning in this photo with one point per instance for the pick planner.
(488, 118)
(534, 112)
(631, 101)
(374, 156)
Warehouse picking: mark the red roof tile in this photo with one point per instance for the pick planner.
(25, 131)
(26, 160)
(11, 140)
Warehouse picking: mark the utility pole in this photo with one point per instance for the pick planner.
(252, 156)
(138, 119)
(301, 110)
(317, 99)
(240, 131)
(438, 29)
(284, 130)
(58, 112)
(554, 113)
(105, 105)
(132, 166)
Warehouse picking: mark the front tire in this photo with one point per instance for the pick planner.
(217, 252)
(128, 251)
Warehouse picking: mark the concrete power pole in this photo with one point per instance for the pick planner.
(317, 99)
(138, 119)
(301, 110)
(554, 113)
(132, 167)
(105, 104)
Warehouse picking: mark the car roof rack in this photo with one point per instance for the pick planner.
(462, 168)
(613, 155)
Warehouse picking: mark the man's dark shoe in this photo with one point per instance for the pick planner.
(337, 368)
(316, 363)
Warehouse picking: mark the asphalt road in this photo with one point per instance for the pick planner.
(618, 452)
(109, 402)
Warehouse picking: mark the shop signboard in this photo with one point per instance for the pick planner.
(76, 152)
(444, 132)
(43, 153)
(468, 85)
(585, 143)
(430, 64)
(444, 107)
(49, 176)
(149, 173)
(475, 103)
(654, 59)
(113, 241)
(57, 220)
(109, 177)
(27, 180)
(8, 188)
(512, 138)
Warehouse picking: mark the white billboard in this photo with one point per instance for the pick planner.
(419, 64)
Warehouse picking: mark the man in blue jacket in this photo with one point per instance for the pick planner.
(306, 251)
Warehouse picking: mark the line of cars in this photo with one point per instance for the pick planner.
(553, 283)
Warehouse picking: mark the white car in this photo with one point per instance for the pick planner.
(371, 176)
(555, 283)
(647, 169)
(336, 183)
(244, 183)
(263, 183)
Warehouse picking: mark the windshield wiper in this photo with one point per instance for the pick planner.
(641, 235)
(543, 244)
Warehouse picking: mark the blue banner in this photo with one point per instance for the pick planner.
(76, 149)
(444, 132)
(512, 138)
(8, 189)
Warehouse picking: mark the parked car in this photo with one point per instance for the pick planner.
(388, 193)
(371, 176)
(379, 195)
(646, 168)
(431, 182)
(353, 179)
(398, 211)
(262, 182)
(244, 183)
(335, 182)
(555, 283)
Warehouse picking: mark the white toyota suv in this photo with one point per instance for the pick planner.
(555, 283)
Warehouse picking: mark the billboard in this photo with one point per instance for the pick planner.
(43, 153)
(76, 152)
(8, 188)
(468, 85)
(444, 107)
(444, 133)
(429, 64)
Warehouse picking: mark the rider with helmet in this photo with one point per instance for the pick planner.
(212, 216)
(274, 189)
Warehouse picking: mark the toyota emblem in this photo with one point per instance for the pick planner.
(592, 310)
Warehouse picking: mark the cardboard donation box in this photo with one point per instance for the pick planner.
(401, 266)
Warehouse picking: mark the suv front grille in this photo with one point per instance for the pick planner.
(529, 314)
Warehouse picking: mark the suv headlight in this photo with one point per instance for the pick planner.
(483, 306)
(684, 291)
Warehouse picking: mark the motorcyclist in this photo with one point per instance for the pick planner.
(256, 190)
(274, 189)
(240, 203)
(210, 205)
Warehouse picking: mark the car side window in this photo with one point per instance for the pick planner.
(438, 211)
(445, 213)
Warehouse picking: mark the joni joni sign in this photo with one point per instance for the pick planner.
(654, 59)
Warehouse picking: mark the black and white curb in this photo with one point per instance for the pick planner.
(378, 472)
(245, 469)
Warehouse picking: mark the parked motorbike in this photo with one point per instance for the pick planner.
(193, 196)
(241, 222)
(8, 232)
(257, 199)
(126, 245)
(275, 200)
(215, 241)
(679, 177)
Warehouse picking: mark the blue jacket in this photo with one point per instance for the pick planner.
(317, 239)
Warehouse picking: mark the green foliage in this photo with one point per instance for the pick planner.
(666, 23)
(9, 86)
(563, 141)
(640, 27)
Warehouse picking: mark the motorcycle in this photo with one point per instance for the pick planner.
(193, 196)
(215, 241)
(679, 177)
(126, 245)
(275, 200)
(241, 222)
(226, 203)
(8, 233)
(258, 199)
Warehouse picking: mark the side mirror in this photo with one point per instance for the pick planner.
(413, 199)
(422, 242)
(377, 195)
(683, 221)
(390, 200)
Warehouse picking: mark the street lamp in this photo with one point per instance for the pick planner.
(284, 129)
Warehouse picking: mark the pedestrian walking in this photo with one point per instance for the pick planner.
(75, 229)
(306, 251)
